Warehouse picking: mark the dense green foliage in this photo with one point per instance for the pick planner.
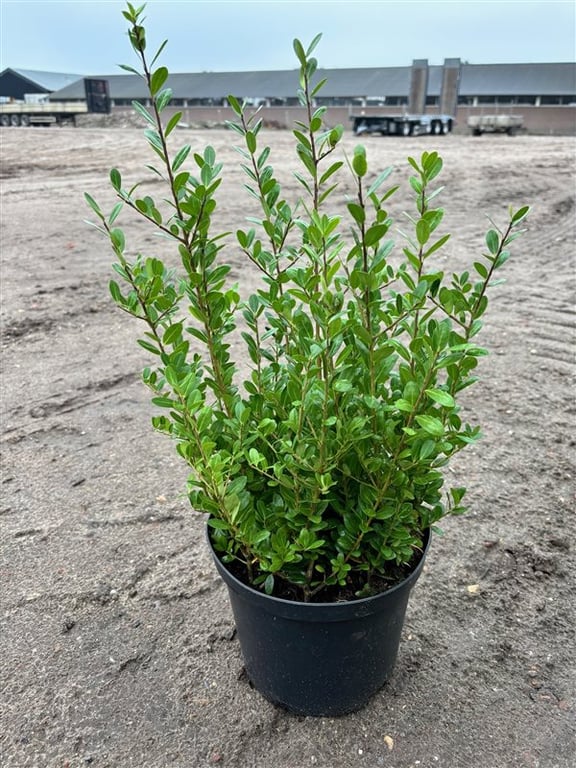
(328, 460)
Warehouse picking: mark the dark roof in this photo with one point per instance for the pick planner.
(41, 82)
(475, 80)
(518, 79)
(279, 84)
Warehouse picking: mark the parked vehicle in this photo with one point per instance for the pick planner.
(402, 125)
(23, 113)
(510, 124)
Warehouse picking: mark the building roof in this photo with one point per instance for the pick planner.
(42, 82)
(272, 84)
(518, 79)
(475, 80)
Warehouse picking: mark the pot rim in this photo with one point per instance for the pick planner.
(331, 610)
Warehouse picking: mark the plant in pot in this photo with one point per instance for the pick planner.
(321, 473)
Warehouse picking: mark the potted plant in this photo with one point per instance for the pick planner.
(321, 474)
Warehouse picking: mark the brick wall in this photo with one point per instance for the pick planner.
(549, 121)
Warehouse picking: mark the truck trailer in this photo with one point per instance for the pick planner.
(402, 125)
(510, 124)
(18, 113)
(23, 113)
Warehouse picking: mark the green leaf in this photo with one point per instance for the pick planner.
(441, 397)
(158, 52)
(143, 112)
(264, 155)
(118, 239)
(427, 449)
(218, 525)
(358, 213)
(235, 104)
(130, 69)
(414, 164)
(457, 494)
(437, 245)
(434, 217)
(250, 142)
(432, 165)
(254, 457)
(493, 241)
(342, 385)
(269, 584)
(303, 139)
(380, 179)
(400, 349)
(315, 124)
(163, 402)
(333, 168)
(116, 179)
(148, 347)
(94, 205)
(114, 213)
(411, 392)
(181, 180)
(163, 99)
(313, 44)
(481, 269)
(299, 51)
(375, 233)
(502, 259)
(318, 87)
(359, 163)
(172, 334)
(422, 231)
(303, 182)
(115, 292)
(335, 135)
(431, 424)
(416, 184)
(154, 139)
(520, 214)
(180, 157)
(158, 79)
(172, 123)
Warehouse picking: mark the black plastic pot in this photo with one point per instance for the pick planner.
(319, 659)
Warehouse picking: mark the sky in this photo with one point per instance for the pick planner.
(88, 37)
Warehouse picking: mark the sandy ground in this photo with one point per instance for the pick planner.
(118, 647)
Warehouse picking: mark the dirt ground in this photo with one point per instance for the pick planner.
(118, 647)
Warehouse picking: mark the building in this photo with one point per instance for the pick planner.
(29, 85)
(545, 94)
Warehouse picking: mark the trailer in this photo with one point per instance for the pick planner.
(510, 124)
(17, 113)
(24, 113)
(402, 125)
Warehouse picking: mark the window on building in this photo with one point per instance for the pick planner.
(508, 99)
(396, 101)
(558, 100)
(335, 101)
